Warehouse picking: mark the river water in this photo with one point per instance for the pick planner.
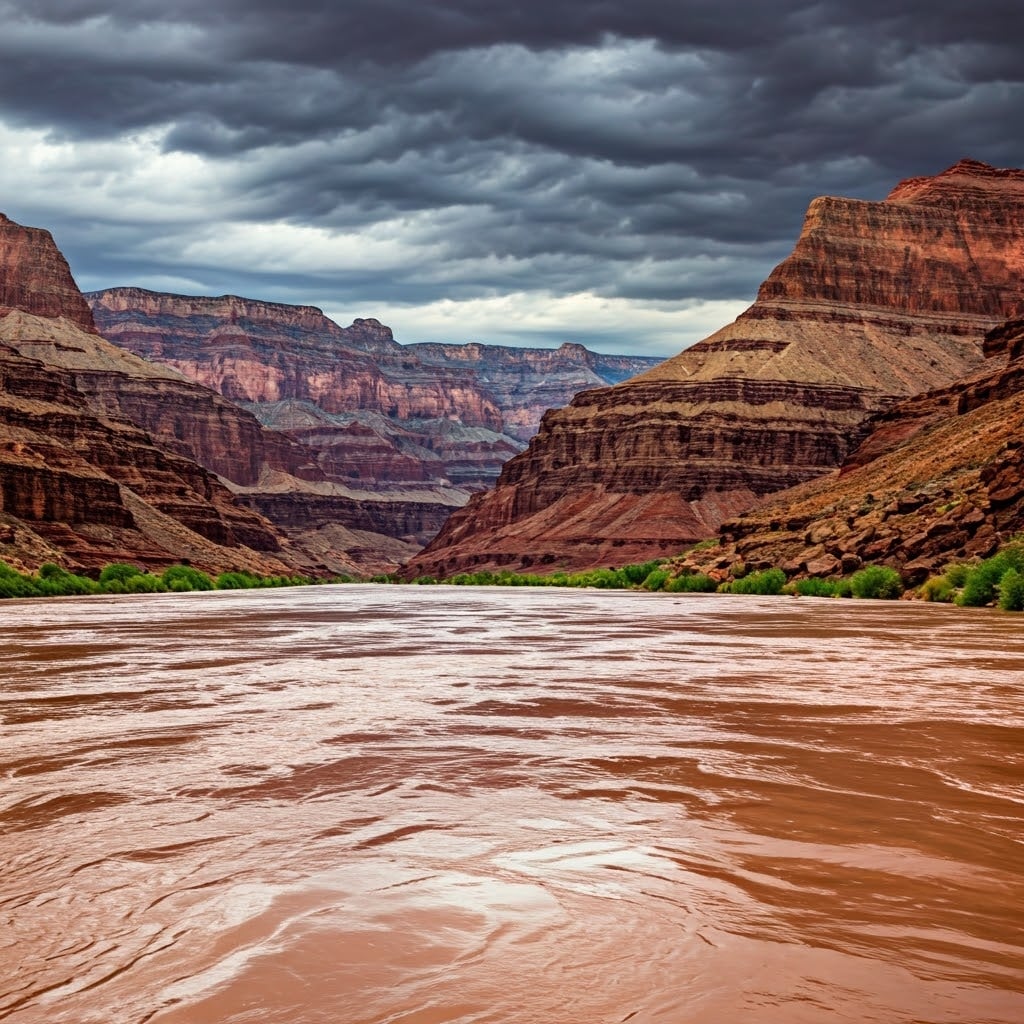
(419, 805)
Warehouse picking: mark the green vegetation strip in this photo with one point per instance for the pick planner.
(53, 581)
(877, 581)
(997, 581)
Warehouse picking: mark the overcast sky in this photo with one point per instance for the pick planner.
(622, 173)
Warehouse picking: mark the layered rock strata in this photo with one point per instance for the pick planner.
(879, 300)
(413, 430)
(193, 426)
(370, 410)
(83, 489)
(106, 457)
(526, 382)
(939, 478)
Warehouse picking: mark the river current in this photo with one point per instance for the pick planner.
(359, 804)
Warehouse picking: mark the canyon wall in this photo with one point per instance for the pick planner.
(526, 382)
(359, 446)
(372, 412)
(106, 457)
(84, 489)
(79, 484)
(939, 478)
(879, 300)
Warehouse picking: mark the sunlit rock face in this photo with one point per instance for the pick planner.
(878, 301)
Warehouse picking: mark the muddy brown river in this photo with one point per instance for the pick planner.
(358, 805)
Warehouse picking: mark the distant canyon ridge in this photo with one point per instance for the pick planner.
(367, 433)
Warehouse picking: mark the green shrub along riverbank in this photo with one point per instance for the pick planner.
(876, 581)
(119, 578)
(996, 581)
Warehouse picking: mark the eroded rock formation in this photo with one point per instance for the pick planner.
(358, 446)
(939, 478)
(106, 457)
(879, 300)
(35, 277)
(85, 489)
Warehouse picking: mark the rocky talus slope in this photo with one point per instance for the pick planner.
(939, 478)
(879, 301)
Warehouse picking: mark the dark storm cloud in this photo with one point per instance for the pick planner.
(638, 149)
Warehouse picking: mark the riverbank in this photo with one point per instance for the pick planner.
(50, 580)
(996, 581)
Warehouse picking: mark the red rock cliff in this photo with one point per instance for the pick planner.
(525, 382)
(35, 277)
(878, 300)
(260, 352)
(78, 482)
(939, 478)
(84, 489)
(372, 412)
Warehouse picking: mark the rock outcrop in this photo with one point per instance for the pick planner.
(35, 277)
(939, 478)
(78, 483)
(879, 300)
(259, 352)
(358, 418)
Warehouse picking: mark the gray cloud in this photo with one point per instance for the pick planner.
(639, 151)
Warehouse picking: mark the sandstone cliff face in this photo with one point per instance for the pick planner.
(78, 483)
(35, 277)
(939, 478)
(879, 300)
(355, 489)
(83, 484)
(525, 383)
(187, 426)
(411, 429)
(252, 352)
